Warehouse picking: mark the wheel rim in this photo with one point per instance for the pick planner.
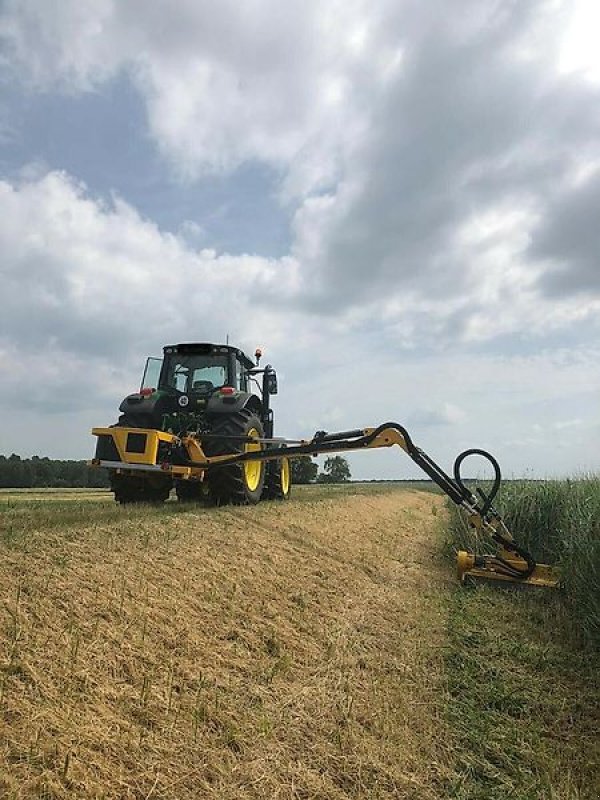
(285, 476)
(252, 469)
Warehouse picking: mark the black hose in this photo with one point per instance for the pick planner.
(488, 498)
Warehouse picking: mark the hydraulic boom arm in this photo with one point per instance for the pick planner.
(187, 459)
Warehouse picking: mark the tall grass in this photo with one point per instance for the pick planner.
(559, 523)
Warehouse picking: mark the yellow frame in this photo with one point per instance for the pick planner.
(119, 437)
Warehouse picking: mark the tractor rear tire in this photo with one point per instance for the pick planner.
(241, 484)
(278, 480)
(138, 489)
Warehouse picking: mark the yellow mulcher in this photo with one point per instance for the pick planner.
(195, 425)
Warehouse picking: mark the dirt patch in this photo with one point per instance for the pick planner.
(282, 651)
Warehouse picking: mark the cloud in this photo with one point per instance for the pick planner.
(222, 84)
(90, 288)
(471, 149)
(567, 241)
(569, 423)
(446, 414)
(430, 158)
(439, 173)
(89, 282)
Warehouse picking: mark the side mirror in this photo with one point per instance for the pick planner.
(272, 382)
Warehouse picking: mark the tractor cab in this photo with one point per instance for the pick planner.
(193, 381)
(197, 369)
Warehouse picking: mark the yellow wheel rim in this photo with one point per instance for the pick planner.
(285, 476)
(252, 469)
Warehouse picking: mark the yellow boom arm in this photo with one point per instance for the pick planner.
(138, 449)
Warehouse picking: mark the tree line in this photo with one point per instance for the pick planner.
(42, 472)
(38, 473)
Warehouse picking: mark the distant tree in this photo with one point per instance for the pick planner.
(336, 470)
(304, 470)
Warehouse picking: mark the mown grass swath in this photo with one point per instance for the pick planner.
(234, 652)
(522, 703)
(559, 523)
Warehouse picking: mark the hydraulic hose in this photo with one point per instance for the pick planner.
(488, 498)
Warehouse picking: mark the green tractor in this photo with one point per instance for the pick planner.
(197, 392)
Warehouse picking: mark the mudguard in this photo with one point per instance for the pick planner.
(230, 403)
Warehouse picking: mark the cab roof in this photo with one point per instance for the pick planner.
(207, 348)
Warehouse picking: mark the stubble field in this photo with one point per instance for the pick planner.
(298, 650)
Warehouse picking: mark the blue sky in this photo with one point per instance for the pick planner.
(400, 205)
(101, 137)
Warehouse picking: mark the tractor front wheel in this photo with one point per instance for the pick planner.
(278, 480)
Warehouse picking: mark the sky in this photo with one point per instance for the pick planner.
(398, 201)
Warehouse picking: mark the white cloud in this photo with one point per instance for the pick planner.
(90, 288)
(579, 51)
(444, 414)
(85, 278)
(284, 84)
(424, 158)
(422, 151)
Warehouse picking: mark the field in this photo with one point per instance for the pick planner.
(314, 649)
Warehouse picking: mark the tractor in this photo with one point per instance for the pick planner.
(204, 391)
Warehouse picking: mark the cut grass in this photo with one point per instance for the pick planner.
(523, 667)
(23, 510)
(283, 651)
(523, 705)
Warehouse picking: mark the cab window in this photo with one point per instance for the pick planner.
(188, 373)
(152, 373)
(241, 381)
